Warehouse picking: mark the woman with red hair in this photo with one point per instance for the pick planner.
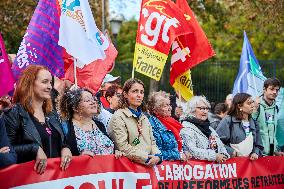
(35, 132)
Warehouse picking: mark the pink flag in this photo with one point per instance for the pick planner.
(6, 76)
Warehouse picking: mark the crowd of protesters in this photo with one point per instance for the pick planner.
(43, 121)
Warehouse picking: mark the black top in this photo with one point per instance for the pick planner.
(50, 138)
(24, 136)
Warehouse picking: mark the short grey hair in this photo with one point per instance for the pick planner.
(193, 103)
(155, 100)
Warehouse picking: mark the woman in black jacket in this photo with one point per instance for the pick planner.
(85, 135)
(34, 131)
(8, 155)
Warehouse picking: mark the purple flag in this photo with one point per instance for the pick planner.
(6, 76)
(40, 43)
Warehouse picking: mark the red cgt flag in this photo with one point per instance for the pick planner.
(191, 49)
(159, 24)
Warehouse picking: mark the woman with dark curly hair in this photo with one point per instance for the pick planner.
(85, 135)
(130, 128)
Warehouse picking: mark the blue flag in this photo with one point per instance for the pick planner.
(250, 78)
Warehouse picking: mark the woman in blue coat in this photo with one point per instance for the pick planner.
(165, 128)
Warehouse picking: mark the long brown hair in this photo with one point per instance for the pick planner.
(238, 99)
(24, 92)
(126, 87)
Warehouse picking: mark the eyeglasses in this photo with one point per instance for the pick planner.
(203, 108)
(118, 94)
(88, 100)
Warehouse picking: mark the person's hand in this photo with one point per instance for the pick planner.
(188, 155)
(5, 149)
(234, 154)
(66, 157)
(182, 157)
(153, 160)
(40, 162)
(185, 156)
(220, 158)
(279, 153)
(88, 152)
(178, 111)
(118, 154)
(253, 156)
(256, 104)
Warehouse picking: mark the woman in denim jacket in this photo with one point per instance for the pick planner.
(165, 128)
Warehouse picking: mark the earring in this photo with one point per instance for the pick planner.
(241, 109)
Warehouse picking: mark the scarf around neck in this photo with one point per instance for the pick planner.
(137, 113)
(174, 126)
(203, 126)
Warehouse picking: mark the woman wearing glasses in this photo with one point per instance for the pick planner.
(238, 131)
(85, 135)
(199, 139)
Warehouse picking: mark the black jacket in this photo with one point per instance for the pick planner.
(6, 158)
(23, 134)
(71, 138)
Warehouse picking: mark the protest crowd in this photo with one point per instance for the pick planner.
(118, 120)
(51, 112)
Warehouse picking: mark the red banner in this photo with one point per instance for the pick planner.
(106, 172)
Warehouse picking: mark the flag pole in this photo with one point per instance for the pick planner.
(132, 76)
(75, 71)
(255, 90)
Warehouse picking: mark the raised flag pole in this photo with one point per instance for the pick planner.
(255, 90)
(132, 76)
(75, 72)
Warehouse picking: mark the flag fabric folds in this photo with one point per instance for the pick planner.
(78, 33)
(159, 24)
(93, 51)
(6, 76)
(250, 78)
(92, 75)
(40, 42)
(188, 51)
(58, 33)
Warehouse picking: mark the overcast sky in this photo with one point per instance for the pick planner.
(129, 8)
